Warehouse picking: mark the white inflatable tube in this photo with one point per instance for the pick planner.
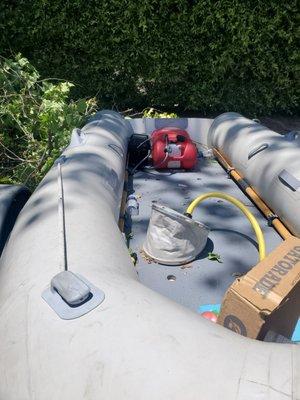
(270, 162)
(137, 344)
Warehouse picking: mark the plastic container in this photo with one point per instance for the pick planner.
(173, 148)
(132, 205)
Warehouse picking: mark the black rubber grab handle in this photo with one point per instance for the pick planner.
(289, 180)
(257, 150)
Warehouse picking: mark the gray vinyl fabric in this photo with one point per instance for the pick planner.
(70, 287)
(172, 238)
(137, 344)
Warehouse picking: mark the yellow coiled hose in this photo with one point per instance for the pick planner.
(245, 211)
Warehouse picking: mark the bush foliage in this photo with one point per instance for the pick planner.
(206, 55)
(36, 119)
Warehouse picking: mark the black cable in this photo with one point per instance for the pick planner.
(144, 141)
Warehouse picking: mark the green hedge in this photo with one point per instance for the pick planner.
(205, 55)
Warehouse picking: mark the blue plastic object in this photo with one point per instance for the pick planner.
(296, 334)
(209, 307)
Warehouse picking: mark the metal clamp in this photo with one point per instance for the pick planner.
(228, 170)
(270, 218)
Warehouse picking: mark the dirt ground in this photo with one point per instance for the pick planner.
(282, 124)
(278, 123)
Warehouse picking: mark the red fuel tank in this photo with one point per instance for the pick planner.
(173, 148)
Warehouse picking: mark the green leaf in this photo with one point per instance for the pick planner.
(36, 121)
(214, 257)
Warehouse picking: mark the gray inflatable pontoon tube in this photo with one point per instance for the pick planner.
(136, 344)
(270, 162)
(12, 200)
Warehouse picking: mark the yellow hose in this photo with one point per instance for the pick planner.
(244, 209)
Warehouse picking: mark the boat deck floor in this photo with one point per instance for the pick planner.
(202, 281)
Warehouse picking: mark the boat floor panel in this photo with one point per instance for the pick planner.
(202, 281)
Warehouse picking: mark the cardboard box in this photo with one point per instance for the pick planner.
(267, 297)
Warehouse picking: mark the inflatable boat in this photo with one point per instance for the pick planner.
(96, 301)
